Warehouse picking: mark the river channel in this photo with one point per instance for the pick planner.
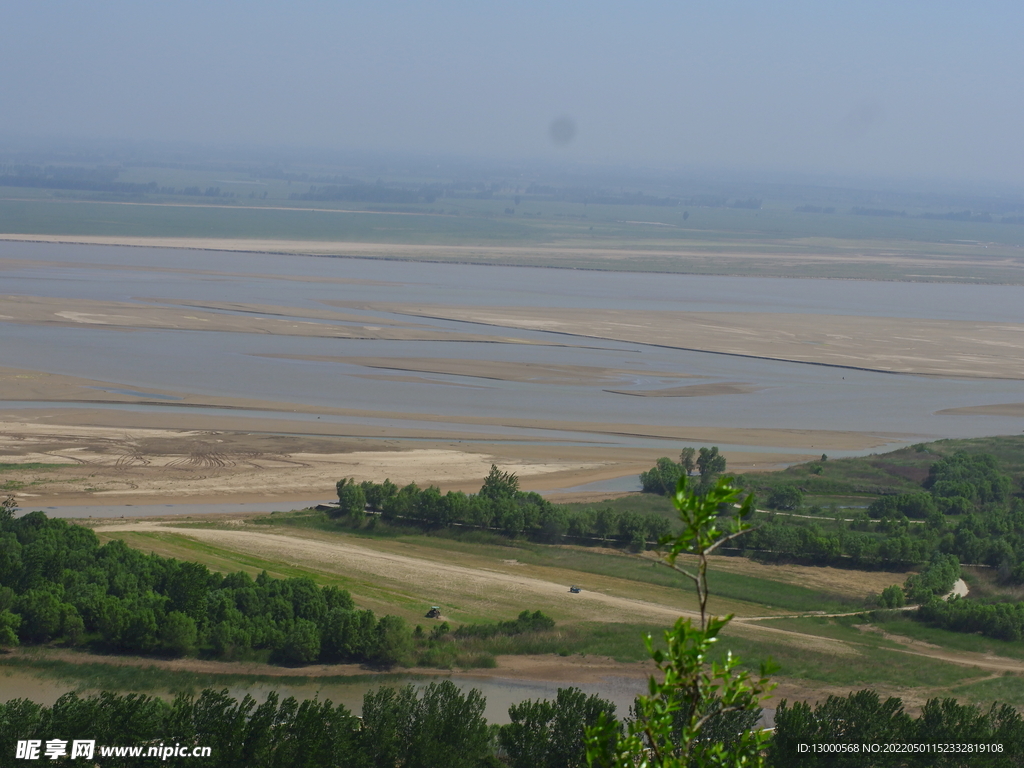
(266, 366)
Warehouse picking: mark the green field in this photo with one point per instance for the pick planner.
(869, 659)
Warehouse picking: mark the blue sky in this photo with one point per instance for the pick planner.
(910, 89)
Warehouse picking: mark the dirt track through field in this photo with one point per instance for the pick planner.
(483, 586)
(402, 571)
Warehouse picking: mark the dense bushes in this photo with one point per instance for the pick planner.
(525, 622)
(974, 477)
(914, 505)
(936, 580)
(1003, 621)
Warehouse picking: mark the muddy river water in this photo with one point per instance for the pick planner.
(268, 367)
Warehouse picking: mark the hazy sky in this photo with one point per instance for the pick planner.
(926, 89)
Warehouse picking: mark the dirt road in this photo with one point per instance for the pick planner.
(475, 587)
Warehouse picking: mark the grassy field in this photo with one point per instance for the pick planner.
(812, 651)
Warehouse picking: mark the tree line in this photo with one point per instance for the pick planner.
(1002, 621)
(438, 725)
(966, 507)
(442, 725)
(499, 507)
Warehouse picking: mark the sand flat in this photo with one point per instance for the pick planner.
(946, 348)
(777, 256)
(129, 457)
(39, 310)
(1015, 410)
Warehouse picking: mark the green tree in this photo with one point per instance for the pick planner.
(40, 614)
(891, 597)
(378, 493)
(351, 500)
(441, 727)
(302, 645)
(710, 463)
(552, 734)
(688, 460)
(7, 509)
(392, 641)
(9, 623)
(499, 485)
(859, 718)
(662, 478)
(672, 725)
(178, 634)
(785, 497)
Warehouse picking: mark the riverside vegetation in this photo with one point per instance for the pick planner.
(700, 713)
(57, 583)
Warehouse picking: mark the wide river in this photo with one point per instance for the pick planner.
(213, 363)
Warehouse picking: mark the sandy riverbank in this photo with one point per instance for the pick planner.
(146, 460)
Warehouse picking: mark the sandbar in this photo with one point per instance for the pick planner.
(948, 348)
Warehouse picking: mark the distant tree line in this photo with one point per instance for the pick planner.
(78, 183)
(367, 193)
(499, 507)
(883, 212)
(966, 506)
